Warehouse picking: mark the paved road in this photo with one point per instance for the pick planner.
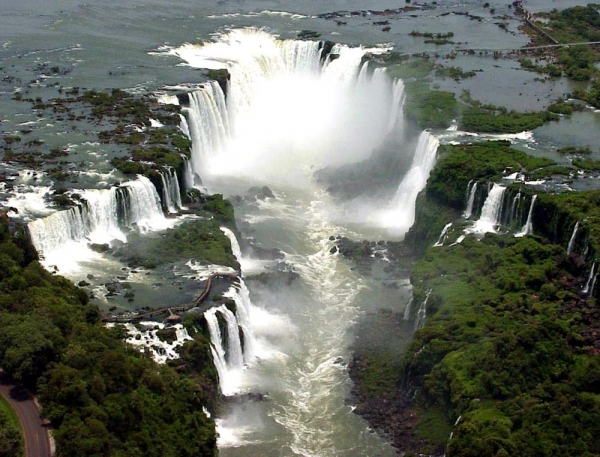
(36, 436)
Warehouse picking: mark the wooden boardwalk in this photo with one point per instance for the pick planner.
(172, 309)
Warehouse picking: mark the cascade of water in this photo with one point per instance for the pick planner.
(188, 173)
(233, 352)
(443, 235)
(397, 112)
(527, 228)
(514, 207)
(184, 127)
(491, 211)
(218, 352)
(571, 244)
(176, 189)
(413, 182)
(241, 297)
(235, 245)
(274, 88)
(362, 74)
(591, 282)
(422, 312)
(380, 78)
(209, 124)
(49, 234)
(142, 205)
(468, 191)
(471, 189)
(289, 115)
(171, 191)
(408, 308)
(100, 219)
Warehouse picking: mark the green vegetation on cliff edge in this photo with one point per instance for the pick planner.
(102, 396)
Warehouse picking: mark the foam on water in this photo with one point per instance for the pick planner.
(287, 114)
(147, 339)
(280, 98)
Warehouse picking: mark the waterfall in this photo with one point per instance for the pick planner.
(591, 282)
(443, 235)
(209, 124)
(491, 211)
(514, 207)
(188, 173)
(397, 112)
(288, 113)
(103, 216)
(235, 245)
(233, 353)
(471, 189)
(218, 352)
(527, 228)
(282, 98)
(422, 312)
(408, 308)
(184, 127)
(226, 349)
(241, 296)
(171, 192)
(402, 215)
(140, 205)
(571, 244)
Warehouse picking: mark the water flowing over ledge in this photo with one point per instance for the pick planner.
(102, 217)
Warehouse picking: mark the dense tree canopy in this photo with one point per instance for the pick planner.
(102, 396)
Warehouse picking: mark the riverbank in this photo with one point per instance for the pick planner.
(505, 325)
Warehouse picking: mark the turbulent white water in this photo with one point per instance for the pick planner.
(105, 215)
(289, 112)
(147, 339)
(285, 113)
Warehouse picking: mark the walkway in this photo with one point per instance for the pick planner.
(173, 309)
(37, 443)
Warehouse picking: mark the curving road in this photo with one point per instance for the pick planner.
(35, 434)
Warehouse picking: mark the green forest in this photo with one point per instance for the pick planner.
(102, 396)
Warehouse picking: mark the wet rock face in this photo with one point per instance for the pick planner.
(259, 193)
(376, 372)
(366, 253)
